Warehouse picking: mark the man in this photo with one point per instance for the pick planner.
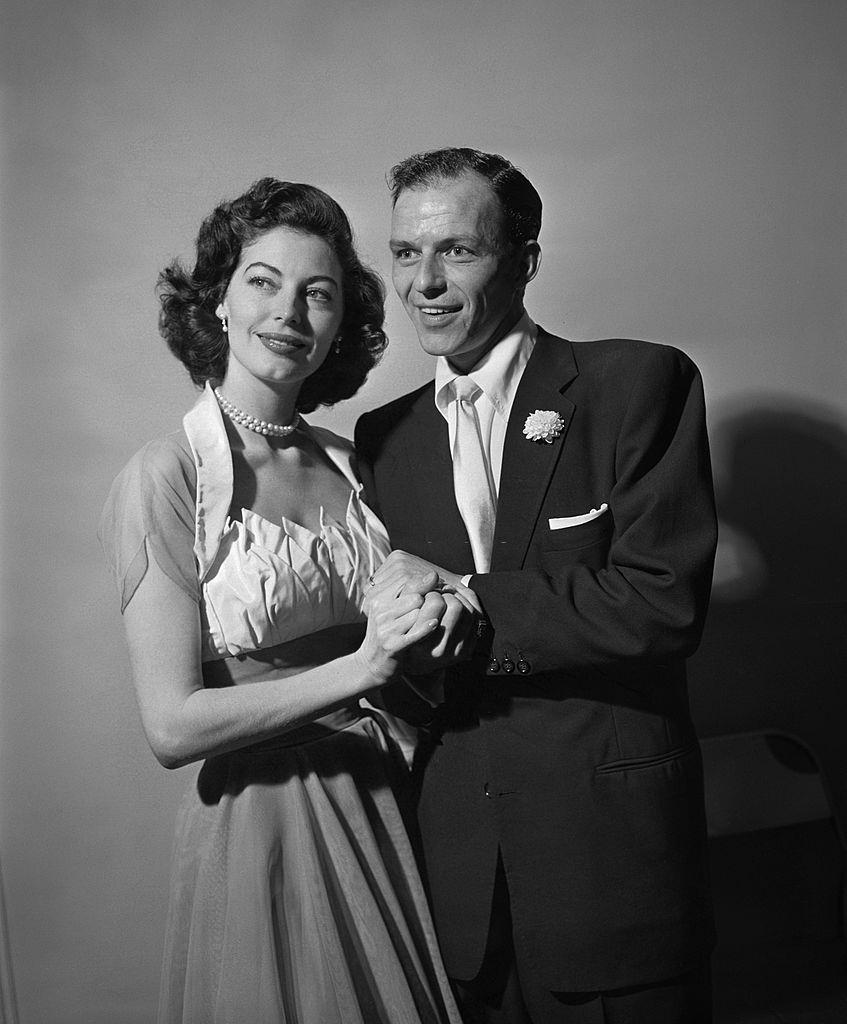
(568, 487)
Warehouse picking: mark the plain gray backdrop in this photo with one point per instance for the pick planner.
(691, 160)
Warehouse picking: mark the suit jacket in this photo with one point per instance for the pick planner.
(566, 745)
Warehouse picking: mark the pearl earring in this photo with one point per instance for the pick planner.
(224, 327)
(337, 345)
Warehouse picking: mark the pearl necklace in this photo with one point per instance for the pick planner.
(253, 423)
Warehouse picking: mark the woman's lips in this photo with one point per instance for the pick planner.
(280, 343)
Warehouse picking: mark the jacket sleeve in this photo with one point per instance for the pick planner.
(647, 603)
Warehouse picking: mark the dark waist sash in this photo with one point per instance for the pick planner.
(286, 660)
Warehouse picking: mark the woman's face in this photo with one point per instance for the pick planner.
(283, 307)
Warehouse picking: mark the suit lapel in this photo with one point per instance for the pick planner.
(528, 465)
(428, 469)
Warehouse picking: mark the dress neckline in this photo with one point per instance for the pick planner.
(291, 527)
(206, 432)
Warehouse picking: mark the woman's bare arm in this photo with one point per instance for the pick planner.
(185, 722)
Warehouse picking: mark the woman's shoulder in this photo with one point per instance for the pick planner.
(160, 475)
(166, 460)
(340, 450)
(329, 439)
(150, 511)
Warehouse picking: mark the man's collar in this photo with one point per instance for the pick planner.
(497, 373)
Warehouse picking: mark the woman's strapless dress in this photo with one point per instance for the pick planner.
(295, 895)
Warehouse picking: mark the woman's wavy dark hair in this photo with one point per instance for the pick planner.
(189, 299)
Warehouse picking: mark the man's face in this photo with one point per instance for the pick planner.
(461, 284)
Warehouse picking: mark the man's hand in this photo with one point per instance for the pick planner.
(452, 641)
(442, 596)
(416, 575)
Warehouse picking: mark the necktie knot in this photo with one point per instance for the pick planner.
(466, 389)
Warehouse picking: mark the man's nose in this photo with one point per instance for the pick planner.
(429, 279)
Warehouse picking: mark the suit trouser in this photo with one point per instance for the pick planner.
(499, 996)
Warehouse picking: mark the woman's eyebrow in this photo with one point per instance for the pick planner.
(267, 266)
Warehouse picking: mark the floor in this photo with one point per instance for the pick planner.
(781, 956)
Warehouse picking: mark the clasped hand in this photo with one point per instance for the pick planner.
(421, 614)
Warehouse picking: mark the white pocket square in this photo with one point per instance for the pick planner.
(565, 521)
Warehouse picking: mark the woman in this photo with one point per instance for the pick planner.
(243, 551)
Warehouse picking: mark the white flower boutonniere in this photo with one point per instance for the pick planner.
(543, 425)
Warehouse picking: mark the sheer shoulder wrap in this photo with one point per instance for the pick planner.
(150, 513)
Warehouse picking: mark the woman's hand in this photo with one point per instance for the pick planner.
(399, 618)
(455, 608)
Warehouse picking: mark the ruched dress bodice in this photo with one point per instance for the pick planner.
(274, 582)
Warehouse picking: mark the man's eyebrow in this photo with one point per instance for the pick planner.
(471, 240)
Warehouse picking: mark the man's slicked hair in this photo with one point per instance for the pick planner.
(519, 201)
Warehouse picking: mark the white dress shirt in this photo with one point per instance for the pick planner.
(497, 375)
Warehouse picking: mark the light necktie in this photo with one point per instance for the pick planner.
(474, 488)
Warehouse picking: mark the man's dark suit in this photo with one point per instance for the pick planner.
(567, 745)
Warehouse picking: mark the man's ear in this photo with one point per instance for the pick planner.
(528, 262)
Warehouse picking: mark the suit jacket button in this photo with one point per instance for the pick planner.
(494, 665)
(487, 791)
(524, 666)
(508, 664)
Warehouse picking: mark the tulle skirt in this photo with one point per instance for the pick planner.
(295, 897)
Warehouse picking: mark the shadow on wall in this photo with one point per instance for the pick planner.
(774, 651)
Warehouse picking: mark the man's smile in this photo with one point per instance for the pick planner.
(436, 314)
